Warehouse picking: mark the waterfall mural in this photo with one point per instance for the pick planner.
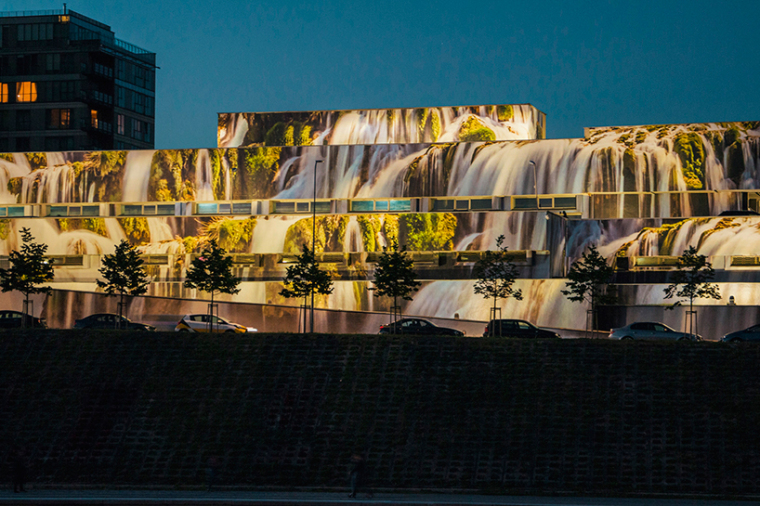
(381, 126)
(445, 188)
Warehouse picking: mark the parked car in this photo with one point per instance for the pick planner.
(517, 328)
(200, 323)
(651, 330)
(16, 319)
(110, 321)
(418, 326)
(749, 334)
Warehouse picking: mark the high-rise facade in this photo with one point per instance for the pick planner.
(67, 83)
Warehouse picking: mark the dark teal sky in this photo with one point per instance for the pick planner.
(583, 64)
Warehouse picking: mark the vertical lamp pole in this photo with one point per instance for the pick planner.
(535, 181)
(314, 237)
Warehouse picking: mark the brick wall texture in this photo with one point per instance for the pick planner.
(578, 416)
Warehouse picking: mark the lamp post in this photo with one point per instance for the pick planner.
(314, 237)
(535, 181)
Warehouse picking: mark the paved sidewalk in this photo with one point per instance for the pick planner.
(177, 498)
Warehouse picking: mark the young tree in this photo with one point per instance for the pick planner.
(589, 282)
(304, 278)
(395, 276)
(496, 274)
(691, 280)
(28, 269)
(124, 274)
(212, 272)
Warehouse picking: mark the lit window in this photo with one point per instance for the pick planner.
(26, 92)
(60, 118)
(120, 124)
(94, 118)
(3, 93)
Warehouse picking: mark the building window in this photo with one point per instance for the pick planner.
(23, 144)
(5, 121)
(138, 104)
(53, 62)
(120, 100)
(94, 118)
(23, 120)
(26, 92)
(3, 93)
(120, 124)
(27, 64)
(59, 118)
(137, 129)
(36, 31)
(59, 143)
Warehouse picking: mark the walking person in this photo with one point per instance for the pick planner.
(212, 472)
(358, 470)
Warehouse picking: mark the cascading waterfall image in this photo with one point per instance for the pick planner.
(640, 191)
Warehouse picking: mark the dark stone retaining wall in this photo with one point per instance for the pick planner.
(585, 416)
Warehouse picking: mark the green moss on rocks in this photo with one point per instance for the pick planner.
(370, 225)
(231, 234)
(5, 228)
(136, 230)
(330, 234)
(301, 134)
(427, 232)
(641, 136)
(259, 168)
(390, 228)
(168, 165)
(281, 134)
(15, 184)
(8, 157)
(435, 124)
(733, 134)
(422, 116)
(96, 225)
(505, 112)
(691, 151)
(473, 130)
(232, 157)
(37, 160)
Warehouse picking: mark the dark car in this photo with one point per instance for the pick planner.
(418, 326)
(750, 334)
(640, 331)
(110, 321)
(16, 320)
(517, 328)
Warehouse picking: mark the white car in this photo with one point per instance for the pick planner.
(200, 323)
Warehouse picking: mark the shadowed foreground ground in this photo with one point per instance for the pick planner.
(506, 416)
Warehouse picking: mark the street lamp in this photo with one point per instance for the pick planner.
(314, 237)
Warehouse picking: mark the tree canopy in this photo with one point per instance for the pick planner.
(29, 268)
(395, 275)
(124, 274)
(496, 275)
